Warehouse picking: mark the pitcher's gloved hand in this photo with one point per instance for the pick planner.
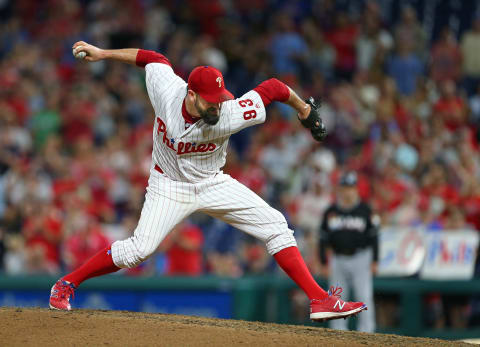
(314, 121)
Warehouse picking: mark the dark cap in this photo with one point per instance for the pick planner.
(209, 84)
(349, 179)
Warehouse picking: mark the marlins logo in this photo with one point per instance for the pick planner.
(336, 222)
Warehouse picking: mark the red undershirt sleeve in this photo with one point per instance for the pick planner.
(272, 90)
(145, 57)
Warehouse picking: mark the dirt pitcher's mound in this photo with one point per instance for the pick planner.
(42, 327)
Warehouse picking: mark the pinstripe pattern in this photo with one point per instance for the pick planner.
(166, 204)
(230, 201)
(192, 179)
(167, 92)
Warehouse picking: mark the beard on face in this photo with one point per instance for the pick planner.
(210, 115)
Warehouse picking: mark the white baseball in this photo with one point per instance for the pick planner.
(81, 55)
(78, 54)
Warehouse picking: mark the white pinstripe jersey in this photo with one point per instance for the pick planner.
(198, 152)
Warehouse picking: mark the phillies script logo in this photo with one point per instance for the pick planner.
(183, 147)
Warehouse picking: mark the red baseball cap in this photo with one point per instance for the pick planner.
(209, 84)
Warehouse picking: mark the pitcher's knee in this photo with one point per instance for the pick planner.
(278, 241)
(141, 255)
(130, 253)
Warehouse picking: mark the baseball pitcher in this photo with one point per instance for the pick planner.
(193, 122)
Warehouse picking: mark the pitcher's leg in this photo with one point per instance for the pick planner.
(100, 264)
(233, 203)
(167, 203)
(161, 212)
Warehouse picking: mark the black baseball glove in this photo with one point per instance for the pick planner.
(314, 121)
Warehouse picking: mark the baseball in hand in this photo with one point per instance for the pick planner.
(77, 53)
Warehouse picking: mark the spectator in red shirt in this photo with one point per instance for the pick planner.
(43, 233)
(446, 58)
(450, 107)
(253, 175)
(184, 250)
(389, 188)
(437, 191)
(343, 38)
(85, 239)
(471, 206)
(468, 172)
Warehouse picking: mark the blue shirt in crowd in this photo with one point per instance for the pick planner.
(284, 48)
(405, 70)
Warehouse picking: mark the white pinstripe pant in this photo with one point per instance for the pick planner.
(168, 202)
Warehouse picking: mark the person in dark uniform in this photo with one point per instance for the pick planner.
(349, 229)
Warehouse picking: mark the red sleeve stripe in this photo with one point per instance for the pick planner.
(272, 90)
(145, 57)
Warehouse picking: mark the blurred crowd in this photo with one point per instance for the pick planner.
(402, 108)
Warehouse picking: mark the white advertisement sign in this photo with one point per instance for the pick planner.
(402, 251)
(450, 255)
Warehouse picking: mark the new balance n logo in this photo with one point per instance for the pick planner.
(340, 304)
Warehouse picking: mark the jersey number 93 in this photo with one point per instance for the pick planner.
(249, 114)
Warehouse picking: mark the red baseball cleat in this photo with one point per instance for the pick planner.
(60, 295)
(332, 307)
